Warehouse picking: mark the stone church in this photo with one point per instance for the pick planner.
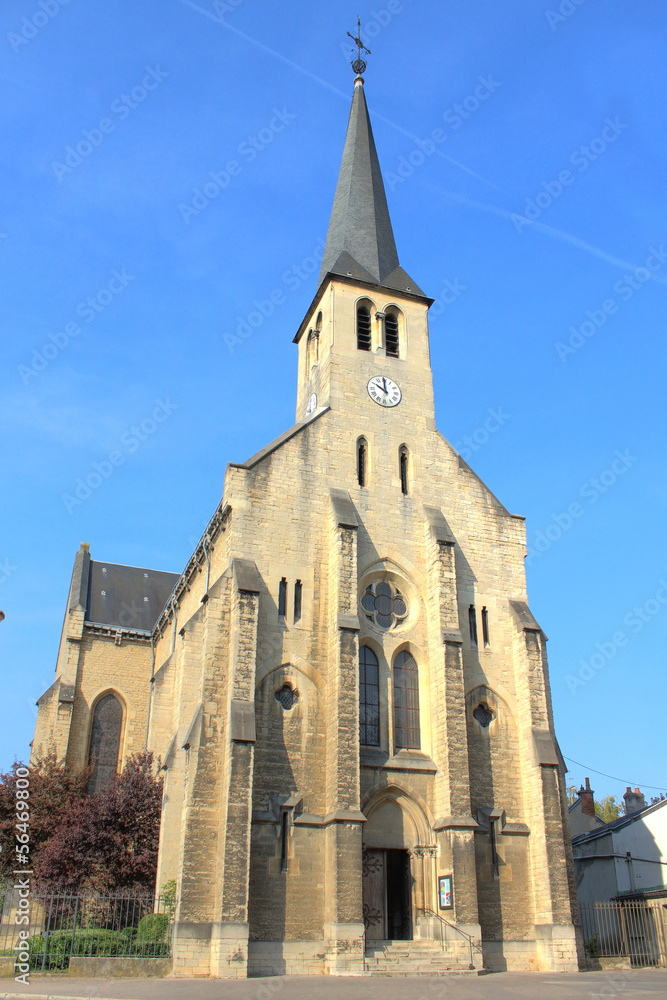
(346, 687)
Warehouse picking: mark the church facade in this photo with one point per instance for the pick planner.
(346, 687)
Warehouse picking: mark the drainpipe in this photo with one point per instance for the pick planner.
(150, 695)
(208, 564)
(173, 638)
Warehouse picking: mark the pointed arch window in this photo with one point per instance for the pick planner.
(297, 601)
(362, 461)
(282, 598)
(391, 334)
(104, 747)
(369, 698)
(472, 624)
(313, 350)
(363, 327)
(403, 468)
(407, 735)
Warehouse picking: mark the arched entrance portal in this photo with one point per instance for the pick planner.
(390, 836)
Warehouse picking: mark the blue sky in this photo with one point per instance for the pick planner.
(523, 148)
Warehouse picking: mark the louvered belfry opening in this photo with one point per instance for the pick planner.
(391, 334)
(363, 328)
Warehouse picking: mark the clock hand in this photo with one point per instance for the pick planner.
(384, 382)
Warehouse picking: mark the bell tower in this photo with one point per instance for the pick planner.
(368, 319)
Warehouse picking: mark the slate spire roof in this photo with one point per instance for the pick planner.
(360, 240)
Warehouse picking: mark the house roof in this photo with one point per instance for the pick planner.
(616, 824)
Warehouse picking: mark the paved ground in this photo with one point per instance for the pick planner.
(501, 986)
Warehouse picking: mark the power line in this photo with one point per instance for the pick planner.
(635, 784)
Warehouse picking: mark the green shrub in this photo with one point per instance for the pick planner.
(153, 935)
(60, 945)
(592, 946)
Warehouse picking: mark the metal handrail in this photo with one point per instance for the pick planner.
(469, 938)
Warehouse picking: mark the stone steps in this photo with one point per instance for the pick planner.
(415, 958)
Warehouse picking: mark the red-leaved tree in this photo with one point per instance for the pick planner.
(109, 840)
(53, 790)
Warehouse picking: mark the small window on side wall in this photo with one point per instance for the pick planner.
(282, 598)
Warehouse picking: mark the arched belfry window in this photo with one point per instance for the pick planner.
(403, 468)
(312, 350)
(391, 334)
(105, 737)
(406, 702)
(369, 698)
(362, 461)
(363, 327)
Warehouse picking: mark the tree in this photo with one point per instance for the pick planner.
(52, 791)
(608, 809)
(572, 796)
(110, 840)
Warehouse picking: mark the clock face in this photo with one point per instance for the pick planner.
(384, 391)
(312, 405)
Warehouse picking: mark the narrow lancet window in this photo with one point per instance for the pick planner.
(369, 698)
(472, 624)
(406, 703)
(391, 335)
(297, 601)
(282, 598)
(485, 626)
(362, 454)
(283, 840)
(363, 328)
(403, 468)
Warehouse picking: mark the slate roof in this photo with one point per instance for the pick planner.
(360, 239)
(121, 596)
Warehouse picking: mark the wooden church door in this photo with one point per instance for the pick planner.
(386, 886)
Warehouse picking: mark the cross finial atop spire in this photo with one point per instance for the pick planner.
(358, 64)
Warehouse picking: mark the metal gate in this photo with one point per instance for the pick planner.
(632, 929)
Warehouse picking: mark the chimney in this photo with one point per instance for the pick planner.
(634, 801)
(587, 801)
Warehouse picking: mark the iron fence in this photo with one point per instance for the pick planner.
(631, 929)
(59, 926)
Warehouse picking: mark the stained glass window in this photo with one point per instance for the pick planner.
(406, 702)
(369, 698)
(384, 605)
(105, 743)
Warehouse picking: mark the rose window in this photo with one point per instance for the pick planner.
(384, 605)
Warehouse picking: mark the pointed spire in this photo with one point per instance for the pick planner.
(360, 240)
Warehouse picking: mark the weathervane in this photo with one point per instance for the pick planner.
(359, 66)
